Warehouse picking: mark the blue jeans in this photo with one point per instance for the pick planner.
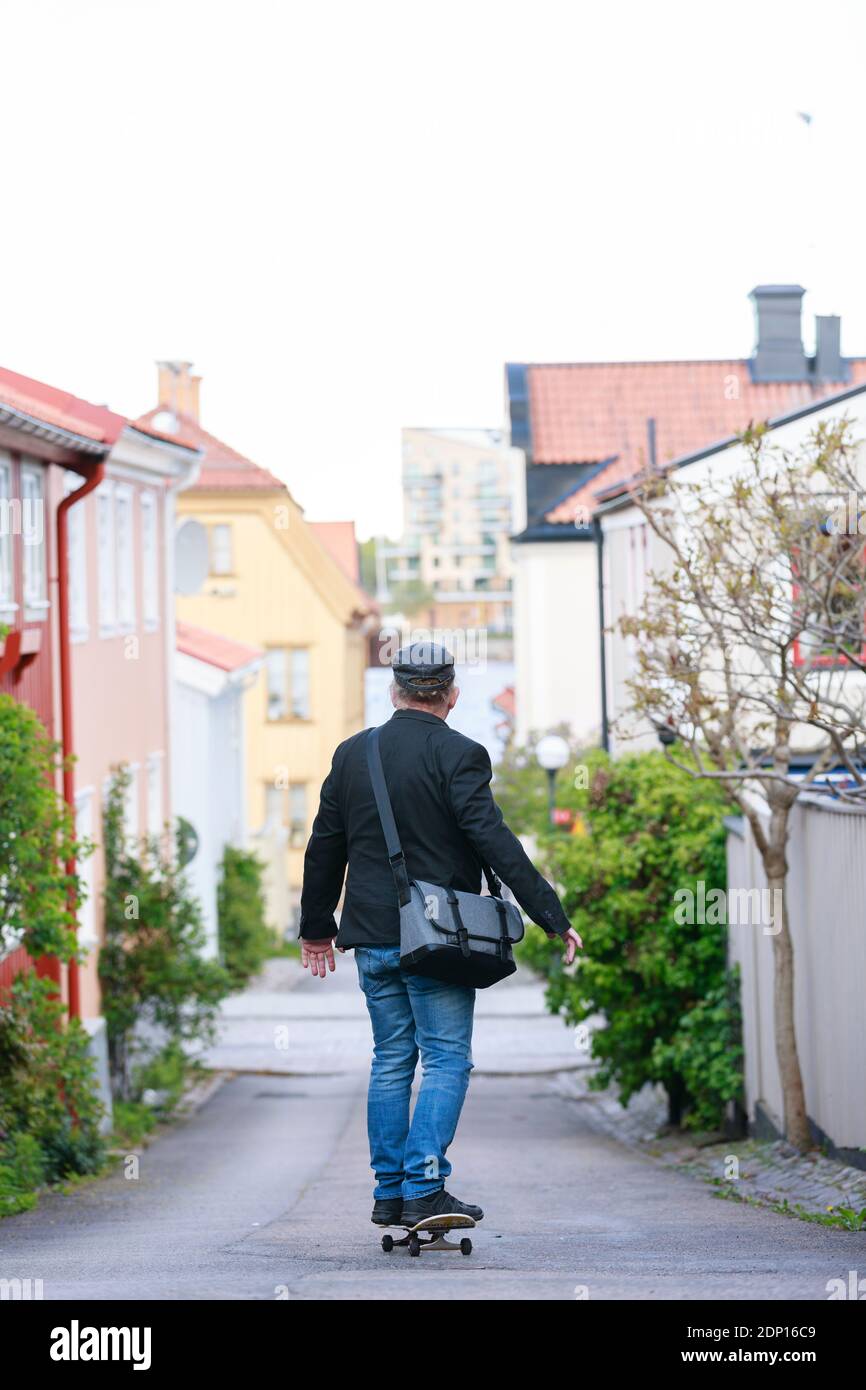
(412, 1015)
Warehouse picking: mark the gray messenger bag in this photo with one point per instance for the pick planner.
(461, 938)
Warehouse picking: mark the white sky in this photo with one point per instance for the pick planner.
(350, 215)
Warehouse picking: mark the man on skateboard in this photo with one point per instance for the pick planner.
(439, 784)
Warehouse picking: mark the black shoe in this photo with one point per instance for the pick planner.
(387, 1211)
(439, 1203)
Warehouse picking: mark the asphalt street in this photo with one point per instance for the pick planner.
(264, 1192)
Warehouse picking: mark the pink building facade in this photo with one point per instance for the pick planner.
(121, 623)
(109, 700)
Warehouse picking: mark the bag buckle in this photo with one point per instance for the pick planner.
(401, 877)
(504, 938)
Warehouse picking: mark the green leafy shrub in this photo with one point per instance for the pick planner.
(155, 979)
(22, 1171)
(706, 1050)
(246, 940)
(49, 1107)
(38, 898)
(133, 1121)
(648, 831)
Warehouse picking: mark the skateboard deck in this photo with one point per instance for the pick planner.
(430, 1234)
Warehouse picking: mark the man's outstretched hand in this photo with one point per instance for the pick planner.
(318, 956)
(572, 941)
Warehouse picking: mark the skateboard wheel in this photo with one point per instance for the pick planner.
(387, 1244)
(414, 1245)
(466, 1246)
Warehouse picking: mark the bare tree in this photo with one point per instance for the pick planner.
(749, 652)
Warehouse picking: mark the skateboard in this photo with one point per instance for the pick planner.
(434, 1228)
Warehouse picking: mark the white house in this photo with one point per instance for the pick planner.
(584, 428)
(211, 675)
(630, 549)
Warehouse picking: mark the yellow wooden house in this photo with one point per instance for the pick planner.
(285, 585)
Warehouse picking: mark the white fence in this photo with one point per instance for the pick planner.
(827, 913)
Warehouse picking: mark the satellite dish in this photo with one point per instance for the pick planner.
(191, 557)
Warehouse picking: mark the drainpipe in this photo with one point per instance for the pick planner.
(599, 552)
(66, 687)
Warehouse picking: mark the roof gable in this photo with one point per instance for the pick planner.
(593, 410)
(223, 468)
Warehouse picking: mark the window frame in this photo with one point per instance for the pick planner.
(35, 606)
(212, 550)
(106, 557)
(8, 605)
(126, 606)
(832, 660)
(84, 825)
(298, 825)
(150, 586)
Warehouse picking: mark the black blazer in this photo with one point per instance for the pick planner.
(448, 822)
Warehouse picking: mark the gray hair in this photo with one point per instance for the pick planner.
(437, 695)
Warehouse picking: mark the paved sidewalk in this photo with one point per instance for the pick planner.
(768, 1174)
(296, 1024)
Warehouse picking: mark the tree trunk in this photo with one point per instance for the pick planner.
(676, 1092)
(793, 1095)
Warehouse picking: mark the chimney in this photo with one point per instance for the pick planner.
(779, 354)
(829, 362)
(178, 389)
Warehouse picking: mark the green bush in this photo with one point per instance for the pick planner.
(22, 1171)
(649, 830)
(49, 1108)
(154, 977)
(246, 940)
(37, 837)
(706, 1050)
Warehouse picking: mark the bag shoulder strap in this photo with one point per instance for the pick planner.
(396, 857)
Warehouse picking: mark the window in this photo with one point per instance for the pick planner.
(221, 550)
(277, 669)
(288, 672)
(123, 522)
(828, 601)
(149, 561)
(7, 582)
(33, 539)
(275, 806)
(300, 658)
(84, 831)
(77, 553)
(297, 814)
(105, 551)
(130, 808)
(154, 794)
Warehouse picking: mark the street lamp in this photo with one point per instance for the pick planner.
(552, 753)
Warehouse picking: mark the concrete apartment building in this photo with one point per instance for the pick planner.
(459, 490)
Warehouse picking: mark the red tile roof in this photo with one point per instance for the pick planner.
(213, 648)
(338, 538)
(223, 468)
(60, 408)
(55, 407)
(592, 410)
